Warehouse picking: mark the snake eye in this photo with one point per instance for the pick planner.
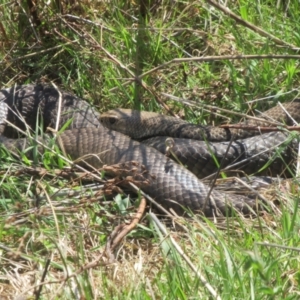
(112, 120)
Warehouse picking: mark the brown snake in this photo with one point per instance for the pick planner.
(203, 148)
(169, 183)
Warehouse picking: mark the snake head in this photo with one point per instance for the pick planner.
(126, 121)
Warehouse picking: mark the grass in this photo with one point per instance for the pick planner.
(97, 50)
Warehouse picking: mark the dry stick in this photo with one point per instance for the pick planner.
(287, 113)
(39, 290)
(258, 30)
(120, 231)
(296, 128)
(39, 52)
(22, 240)
(271, 97)
(217, 58)
(259, 128)
(207, 107)
(87, 21)
(278, 246)
(185, 257)
(71, 27)
(42, 172)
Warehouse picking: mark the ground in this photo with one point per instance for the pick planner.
(189, 59)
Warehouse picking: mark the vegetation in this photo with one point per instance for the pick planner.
(170, 56)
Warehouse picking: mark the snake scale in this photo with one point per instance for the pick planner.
(171, 185)
(203, 148)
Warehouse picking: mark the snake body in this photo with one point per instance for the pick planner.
(26, 106)
(250, 155)
(203, 148)
(170, 184)
(144, 125)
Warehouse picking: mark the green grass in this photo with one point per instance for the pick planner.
(97, 50)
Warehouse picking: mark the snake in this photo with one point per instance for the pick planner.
(87, 141)
(203, 148)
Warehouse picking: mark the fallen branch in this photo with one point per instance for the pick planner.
(122, 230)
(261, 128)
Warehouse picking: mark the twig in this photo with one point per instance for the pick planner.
(259, 128)
(258, 30)
(278, 246)
(217, 58)
(120, 231)
(208, 108)
(67, 173)
(23, 57)
(38, 292)
(88, 22)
